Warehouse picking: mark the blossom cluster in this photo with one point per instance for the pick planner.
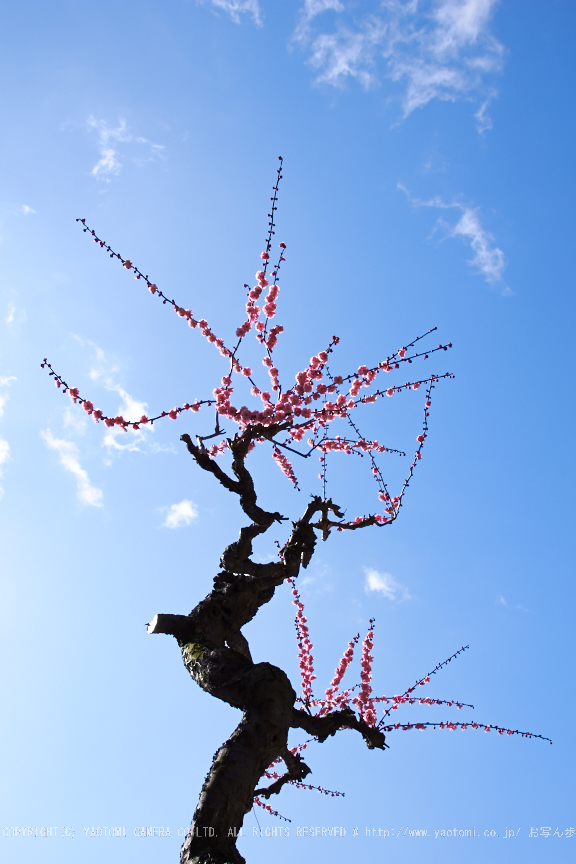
(119, 421)
(364, 702)
(406, 697)
(305, 658)
(400, 700)
(333, 699)
(285, 465)
(319, 789)
(449, 724)
(270, 810)
(274, 775)
(301, 412)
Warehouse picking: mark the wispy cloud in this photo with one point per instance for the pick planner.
(180, 514)
(318, 577)
(488, 258)
(154, 447)
(26, 210)
(130, 409)
(4, 446)
(109, 140)
(503, 602)
(4, 457)
(70, 461)
(236, 8)
(4, 384)
(483, 119)
(74, 420)
(310, 10)
(436, 49)
(11, 311)
(348, 53)
(115, 438)
(385, 584)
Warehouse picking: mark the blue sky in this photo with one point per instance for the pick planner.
(428, 182)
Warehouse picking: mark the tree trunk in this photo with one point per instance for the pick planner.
(260, 738)
(217, 656)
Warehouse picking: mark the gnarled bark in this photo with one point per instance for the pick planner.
(217, 656)
(228, 791)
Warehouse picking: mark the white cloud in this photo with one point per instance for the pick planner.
(131, 409)
(100, 355)
(155, 150)
(108, 162)
(26, 210)
(438, 49)
(4, 457)
(11, 311)
(385, 584)
(4, 446)
(74, 420)
(180, 514)
(309, 11)
(235, 8)
(318, 577)
(504, 602)
(312, 8)
(154, 447)
(109, 138)
(69, 459)
(488, 258)
(5, 382)
(483, 120)
(348, 53)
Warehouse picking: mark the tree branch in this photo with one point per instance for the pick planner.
(328, 724)
(297, 771)
(182, 627)
(204, 461)
(243, 586)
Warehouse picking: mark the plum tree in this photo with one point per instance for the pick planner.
(214, 649)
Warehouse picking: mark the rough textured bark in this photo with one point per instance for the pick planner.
(217, 656)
